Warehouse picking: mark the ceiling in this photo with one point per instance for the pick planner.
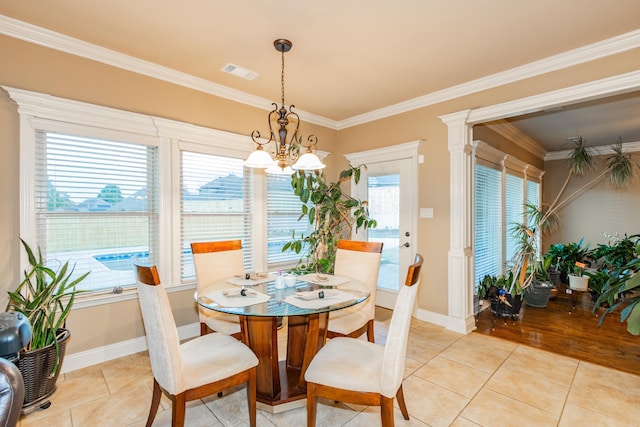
(351, 58)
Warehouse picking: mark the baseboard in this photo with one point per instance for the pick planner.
(444, 320)
(431, 317)
(94, 356)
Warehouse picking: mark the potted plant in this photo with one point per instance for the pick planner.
(577, 281)
(45, 297)
(566, 256)
(539, 292)
(333, 214)
(622, 291)
(617, 253)
(506, 301)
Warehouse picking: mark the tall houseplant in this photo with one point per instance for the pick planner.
(45, 296)
(333, 214)
(618, 171)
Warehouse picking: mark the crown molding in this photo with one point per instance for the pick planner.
(601, 150)
(601, 49)
(513, 134)
(53, 40)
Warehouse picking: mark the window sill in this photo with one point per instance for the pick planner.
(92, 299)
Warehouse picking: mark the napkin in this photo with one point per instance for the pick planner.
(230, 293)
(310, 295)
(233, 297)
(241, 281)
(330, 279)
(311, 299)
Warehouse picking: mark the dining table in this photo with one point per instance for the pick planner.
(262, 301)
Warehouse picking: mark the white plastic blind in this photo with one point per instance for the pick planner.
(96, 205)
(488, 222)
(533, 198)
(283, 211)
(215, 204)
(514, 210)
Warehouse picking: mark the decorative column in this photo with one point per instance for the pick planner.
(460, 270)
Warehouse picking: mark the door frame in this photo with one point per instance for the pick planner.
(408, 150)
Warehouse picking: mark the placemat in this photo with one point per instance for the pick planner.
(241, 281)
(330, 281)
(232, 297)
(310, 301)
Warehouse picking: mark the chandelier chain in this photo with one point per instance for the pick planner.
(282, 78)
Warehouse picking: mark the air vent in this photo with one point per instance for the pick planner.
(240, 72)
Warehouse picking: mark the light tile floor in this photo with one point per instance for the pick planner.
(451, 379)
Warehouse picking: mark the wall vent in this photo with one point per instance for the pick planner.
(240, 72)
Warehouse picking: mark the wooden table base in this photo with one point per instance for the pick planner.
(282, 382)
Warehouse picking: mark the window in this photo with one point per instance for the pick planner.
(502, 187)
(488, 222)
(96, 205)
(215, 204)
(98, 185)
(283, 211)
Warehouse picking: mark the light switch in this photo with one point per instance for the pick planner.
(426, 212)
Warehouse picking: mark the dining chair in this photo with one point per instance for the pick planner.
(195, 369)
(213, 262)
(364, 373)
(359, 261)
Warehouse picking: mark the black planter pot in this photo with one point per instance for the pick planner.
(37, 368)
(537, 295)
(510, 308)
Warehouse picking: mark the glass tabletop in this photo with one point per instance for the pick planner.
(276, 305)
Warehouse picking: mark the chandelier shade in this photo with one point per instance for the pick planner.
(283, 133)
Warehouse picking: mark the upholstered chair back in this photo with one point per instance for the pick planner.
(395, 349)
(162, 335)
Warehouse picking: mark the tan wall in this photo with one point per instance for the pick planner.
(602, 209)
(39, 69)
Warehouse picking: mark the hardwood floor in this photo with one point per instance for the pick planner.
(574, 334)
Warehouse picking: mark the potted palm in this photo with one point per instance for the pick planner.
(45, 297)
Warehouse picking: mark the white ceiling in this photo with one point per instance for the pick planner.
(350, 58)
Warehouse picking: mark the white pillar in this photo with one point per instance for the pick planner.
(460, 287)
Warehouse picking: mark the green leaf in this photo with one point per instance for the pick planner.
(633, 321)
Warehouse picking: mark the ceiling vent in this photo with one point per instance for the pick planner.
(240, 72)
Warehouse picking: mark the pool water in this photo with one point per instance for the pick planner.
(121, 261)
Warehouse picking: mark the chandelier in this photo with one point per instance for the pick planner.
(285, 156)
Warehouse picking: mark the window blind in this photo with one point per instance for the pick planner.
(488, 222)
(216, 203)
(533, 198)
(96, 205)
(514, 210)
(283, 211)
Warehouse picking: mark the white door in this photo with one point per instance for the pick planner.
(390, 198)
(390, 184)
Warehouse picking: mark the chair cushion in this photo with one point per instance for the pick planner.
(347, 320)
(348, 364)
(219, 322)
(213, 357)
